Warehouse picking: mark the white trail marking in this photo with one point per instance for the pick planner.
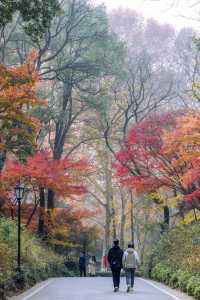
(160, 289)
(37, 290)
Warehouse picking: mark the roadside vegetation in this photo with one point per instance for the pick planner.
(174, 259)
(39, 261)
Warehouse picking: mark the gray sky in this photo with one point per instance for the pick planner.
(180, 13)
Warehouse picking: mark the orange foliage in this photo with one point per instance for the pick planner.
(18, 93)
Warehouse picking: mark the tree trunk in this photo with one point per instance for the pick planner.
(2, 159)
(62, 127)
(107, 228)
(166, 215)
(132, 218)
(166, 219)
(41, 221)
(114, 229)
(110, 214)
(50, 203)
(122, 221)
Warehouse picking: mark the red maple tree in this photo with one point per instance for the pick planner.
(65, 177)
(163, 150)
(141, 163)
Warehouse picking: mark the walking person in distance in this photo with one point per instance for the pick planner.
(115, 256)
(82, 264)
(130, 263)
(92, 266)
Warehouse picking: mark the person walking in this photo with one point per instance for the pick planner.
(82, 264)
(130, 262)
(92, 266)
(115, 256)
(105, 263)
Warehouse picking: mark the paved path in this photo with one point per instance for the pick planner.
(98, 289)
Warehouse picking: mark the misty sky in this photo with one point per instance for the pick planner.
(180, 13)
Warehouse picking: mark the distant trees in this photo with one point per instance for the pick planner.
(115, 88)
(75, 48)
(34, 17)
(74, 51)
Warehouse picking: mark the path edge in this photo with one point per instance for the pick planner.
(33, 291)
(173, 293)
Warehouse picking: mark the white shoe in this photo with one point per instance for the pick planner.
(128, 288)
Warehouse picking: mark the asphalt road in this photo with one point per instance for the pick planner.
(98, 289)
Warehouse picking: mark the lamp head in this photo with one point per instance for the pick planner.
(19, 191)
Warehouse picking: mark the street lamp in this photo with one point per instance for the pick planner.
(19, 192)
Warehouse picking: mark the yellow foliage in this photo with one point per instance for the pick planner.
(191, 217)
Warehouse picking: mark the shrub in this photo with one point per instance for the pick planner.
(177, 250)
(173, 282)
(193, 283)
(183, 280)
(197, 293)
(38, 261)
(162, 273)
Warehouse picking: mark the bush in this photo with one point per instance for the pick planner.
(177, 250)
(173, 282)
(161, 273)
(38, 261)
(183, 280)
(193, 283)
(197, 293)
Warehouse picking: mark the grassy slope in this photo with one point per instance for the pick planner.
(38, 262)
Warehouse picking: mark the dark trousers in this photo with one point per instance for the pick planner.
(82, 271)
(130, 276)
(116, 277)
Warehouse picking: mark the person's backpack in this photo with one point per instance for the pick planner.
(116, 263)
(130, 260)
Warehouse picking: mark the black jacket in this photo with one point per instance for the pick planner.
(115, 256)
(82, 262)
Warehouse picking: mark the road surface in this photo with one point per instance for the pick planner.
(99, 288)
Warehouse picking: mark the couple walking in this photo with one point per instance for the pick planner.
(128, 260)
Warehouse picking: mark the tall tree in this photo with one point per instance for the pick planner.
(18, 93)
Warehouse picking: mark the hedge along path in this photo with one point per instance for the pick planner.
(161, 289)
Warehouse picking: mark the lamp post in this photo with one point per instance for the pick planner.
(19, 192)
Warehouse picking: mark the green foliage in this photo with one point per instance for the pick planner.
(197, 293)
(173, 282)
(162, 273)
(193, 283)
(177, 251)
(183, 280)
(176, 279)
(38, 261)
(36, 15)
(179, 247)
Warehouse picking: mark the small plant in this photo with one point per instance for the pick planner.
(193, 283)
(197, 293)
(162, 273)
(173, 282)
(183, 280)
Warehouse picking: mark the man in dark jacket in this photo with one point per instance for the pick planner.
(115, 256)
(82, 265)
